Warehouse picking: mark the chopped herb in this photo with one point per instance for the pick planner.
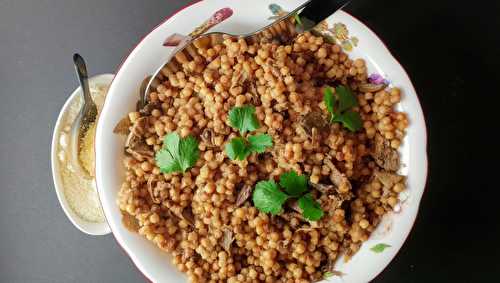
(293, 184)
(298, 20)
(244, 119)
(237, 149)
(177, 155)
(339, 105)
(268, 198)
(346, 99)
(327, 275)
(351, 120)
(259, 143)
(311, 210)
(332, 273)
(378, 248)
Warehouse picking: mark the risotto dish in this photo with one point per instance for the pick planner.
(262, 161)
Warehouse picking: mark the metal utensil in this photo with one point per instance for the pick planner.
(311, 13)
(85, 118)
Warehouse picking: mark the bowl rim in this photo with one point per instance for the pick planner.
(87, 227)
(397, 64)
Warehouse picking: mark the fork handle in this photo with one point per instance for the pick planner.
(318, 10)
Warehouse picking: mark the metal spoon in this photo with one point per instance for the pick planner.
(85, 118)
(311, 13)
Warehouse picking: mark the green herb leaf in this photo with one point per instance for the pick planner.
(351, 120)
(327, 275)
(378, 248)
(244, 119)
(177, 155)
(311, 210)
(297, 19)
(341, 113)
(259, 143)
(346, 99)
(237, 149)
(329, 100)
(293, 184)
(268, 198)
(332, 273)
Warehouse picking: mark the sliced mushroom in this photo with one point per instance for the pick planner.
(139, 127)
(123, 126)
(338, 178)
(140, 150)
(130, 222)
(243, 195)
(369, 87)
(384, 155)
(155, 189)
(187, 214)
(293, 204)
(146, 110)
(207, 136)
(329, 267)
(314, 120)
(227, 239)
(388, 179)
(323, 188)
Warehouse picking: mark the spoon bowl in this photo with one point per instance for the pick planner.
(87, 116)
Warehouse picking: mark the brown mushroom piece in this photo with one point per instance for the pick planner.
(155, 188)
(243, 195)
(136, 147)
(135, 144)
(227, 239)
(123, 126)
(384, 155)
(388, 179)
(139, 127)
(368, 87)
(187, 214)
(313, 120)
(146, 110)
(323, 188)
(338, 178)
(207, 136)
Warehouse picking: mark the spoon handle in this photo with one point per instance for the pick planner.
(318, 10)
(81, 71)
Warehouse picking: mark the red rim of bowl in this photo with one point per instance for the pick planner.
(356, 19)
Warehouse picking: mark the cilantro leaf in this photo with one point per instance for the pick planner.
(177, 155)
(339, 105)
(311, 210)
(347, 100)
(237, 149)
(166, 162)
(298, 20)
(327, 275)
(378, 248)
(268, 198)
(259, 143)
(351, 120)
(294, 184)
(244, 119)
(332, 273)
(188, 152)
(329, 100)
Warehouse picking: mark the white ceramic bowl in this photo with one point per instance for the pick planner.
(248, 16)
(91, 228)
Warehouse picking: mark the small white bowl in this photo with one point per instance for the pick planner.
(87, 227)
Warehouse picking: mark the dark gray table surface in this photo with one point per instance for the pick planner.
(448, 49)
